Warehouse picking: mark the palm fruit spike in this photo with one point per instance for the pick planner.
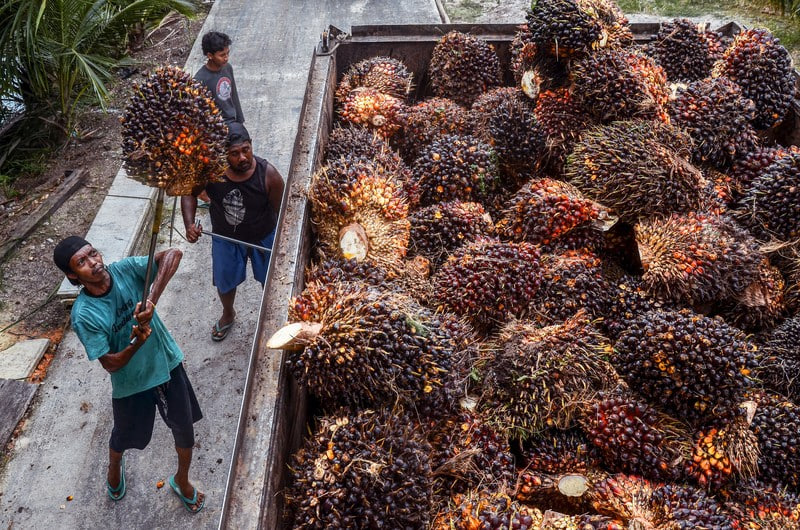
(427, 120)
(572, 280)
(367, 107)
(696, 258)
(367, 469)
(747, 168)
(488, 282)
(385, 74)
(761, 305)
(563, 29)
(467, 452)
(763, 70)
(544, 210)
(455, 167)
(563, 120)
(694, 366)
(534, 378)
(482, 509)
(754, 504)
(463, 67)
(725, 454)
(635, 438)
(637, 169)
(717, 117)
(769, 206)
(367, 347)
(173, 136)
(685, 51)
(776, 424)
(439, 229)
(360, 210)
(505, 119)
(620, 84)
(779, 359)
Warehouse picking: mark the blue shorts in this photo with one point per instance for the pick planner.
(229, 262)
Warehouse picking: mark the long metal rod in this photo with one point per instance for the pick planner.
(153, 241)
(231, 240)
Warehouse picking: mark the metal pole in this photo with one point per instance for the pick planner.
(153, 240)
(231, 240)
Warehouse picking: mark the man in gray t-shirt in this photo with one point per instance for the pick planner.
(217, 76)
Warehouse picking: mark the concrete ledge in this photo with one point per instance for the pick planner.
(20, 360)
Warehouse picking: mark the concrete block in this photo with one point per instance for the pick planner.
(123, 186)
(20, 360)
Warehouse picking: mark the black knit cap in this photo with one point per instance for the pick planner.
(66, 249)
(237, 134)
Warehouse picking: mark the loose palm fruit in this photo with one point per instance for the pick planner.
(695, 367)
(636, 168)
(173, 135)
(463, 67)
(488, 282)
(763, 70)
(534, 378)
(385, 74)
(367, 469)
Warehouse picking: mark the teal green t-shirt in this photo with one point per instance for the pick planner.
(103, 324)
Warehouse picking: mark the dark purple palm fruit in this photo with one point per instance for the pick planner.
(463, 67)
(685, 50)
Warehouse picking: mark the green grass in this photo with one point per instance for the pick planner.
(750, 14)
(463, 10)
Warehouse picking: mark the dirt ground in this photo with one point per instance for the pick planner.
(28, 278)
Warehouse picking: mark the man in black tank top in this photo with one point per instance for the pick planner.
(244, 206)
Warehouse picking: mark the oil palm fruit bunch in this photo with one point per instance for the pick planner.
(456, 167)
(769, 206)
(779, 359)
(717, 117)
(534, 70)
(763, 70)
(429, 119)
(777, 426)
(505, 119)
(633, 437)
(685, 51)
(696, 258)
(173, 136)
(468, 452)
(535, 378)
(562, 119)
(747, 168)
(628, 498)
(362, 470)
(688, 508)
(754, 504)
(337, 270)
(565, 28)
(439, 229)
(486, 510)
(637, 169)
(613, 20)
(761, 305)
(371, 108)
(725, 454)
(361, 346)
(488, 282)
(694, 366)
(544, 210)
(628, 300)
(358, 142)
(572, 281)
(620, 84)
(359, 209)
(463, 67)
(387, 75)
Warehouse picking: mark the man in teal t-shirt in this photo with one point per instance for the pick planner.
(135, 347)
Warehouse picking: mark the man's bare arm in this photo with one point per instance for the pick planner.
(114, 361)
(168, 261)
(274, 183)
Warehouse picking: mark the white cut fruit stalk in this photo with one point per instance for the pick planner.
(353, 242)
(573, 485)
(294, 336)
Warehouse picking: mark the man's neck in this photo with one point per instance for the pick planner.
(101, 287)
(212, 67)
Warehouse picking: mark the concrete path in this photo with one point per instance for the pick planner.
(62, 451)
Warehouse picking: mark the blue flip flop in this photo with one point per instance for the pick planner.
(220, 332)
(187, 503)
(118, 492)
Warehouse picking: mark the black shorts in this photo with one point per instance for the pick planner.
(135, 415)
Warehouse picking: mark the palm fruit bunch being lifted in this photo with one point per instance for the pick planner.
(685, 51)
(696, 258)
(763, 70)
(535, 378)
(637, 169)
(694, 365)
(717, 117)
(363, 470)
(173, 136)
(463, 67)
